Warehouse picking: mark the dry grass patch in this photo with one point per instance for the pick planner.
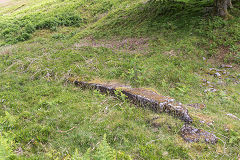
(7, 50)
(131, 45)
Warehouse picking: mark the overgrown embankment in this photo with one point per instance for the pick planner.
(178, 48)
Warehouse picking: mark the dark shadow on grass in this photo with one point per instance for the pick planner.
(150, 18)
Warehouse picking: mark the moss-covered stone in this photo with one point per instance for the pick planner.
(191, 134)
(145, 98)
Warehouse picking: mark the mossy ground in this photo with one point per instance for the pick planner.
(44, 117)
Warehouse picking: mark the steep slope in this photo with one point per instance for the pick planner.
(177, 48)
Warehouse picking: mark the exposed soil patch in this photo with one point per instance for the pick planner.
(223, 53)
(132, 45)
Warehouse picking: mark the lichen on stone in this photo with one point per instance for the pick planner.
(142, 97)
(191, 134)
(158, 103)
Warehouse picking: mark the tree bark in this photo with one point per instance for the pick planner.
(221, 7)
(230, 4)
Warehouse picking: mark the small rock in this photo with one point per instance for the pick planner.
(191, 134)
(224, 72)
(202, 121)
(216, 72)
(233, 116)
(210, 124)
(226, 66)
(206, 83)
(19, 151)
(217, 75)
(211, 71)
(226, 129)
(210, 90)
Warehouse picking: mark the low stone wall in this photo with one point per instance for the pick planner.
(150, 99)
(142, 97)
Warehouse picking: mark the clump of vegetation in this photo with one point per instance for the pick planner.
(21, 29)
(5, 148)
(47, 15)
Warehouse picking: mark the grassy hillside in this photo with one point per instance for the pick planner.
(177, 48)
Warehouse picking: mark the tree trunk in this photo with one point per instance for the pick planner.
(221, 7)
(230, 4)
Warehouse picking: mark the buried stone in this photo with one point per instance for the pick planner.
(150, 99)
(191, 134)
(145, 98)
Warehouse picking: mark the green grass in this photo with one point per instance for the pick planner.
(151, 45)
